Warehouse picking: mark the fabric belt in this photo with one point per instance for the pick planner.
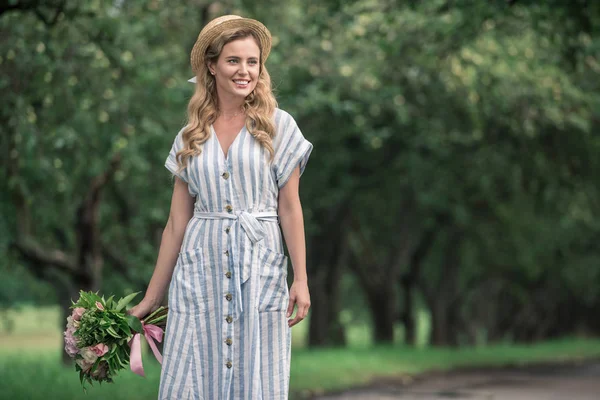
(246, 228)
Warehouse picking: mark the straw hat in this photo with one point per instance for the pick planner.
(214, 28)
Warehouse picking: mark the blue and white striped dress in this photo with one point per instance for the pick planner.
(227, 335)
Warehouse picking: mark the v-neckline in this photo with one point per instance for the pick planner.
(226, 155)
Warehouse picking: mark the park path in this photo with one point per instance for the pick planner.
(565, 382)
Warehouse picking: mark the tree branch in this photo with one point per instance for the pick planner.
(35, 253)
(35, 6)
(99, 181)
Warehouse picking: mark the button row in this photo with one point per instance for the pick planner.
(228, 296)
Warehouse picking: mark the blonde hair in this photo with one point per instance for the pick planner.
(203, 106)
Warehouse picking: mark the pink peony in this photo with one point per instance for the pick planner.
(88, 355)
(71, 343)
(99, 306)
(84, 364)
(100, 349)
(77, 313)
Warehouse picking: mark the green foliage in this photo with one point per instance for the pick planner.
(463, 118)
(96, 86)
(104, 321)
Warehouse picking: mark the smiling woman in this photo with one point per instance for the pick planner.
(237, 69)
(237, 164)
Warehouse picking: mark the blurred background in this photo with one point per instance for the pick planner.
(451, 201)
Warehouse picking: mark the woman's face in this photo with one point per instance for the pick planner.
(237, 68)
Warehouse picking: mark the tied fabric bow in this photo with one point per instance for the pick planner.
(151, 332)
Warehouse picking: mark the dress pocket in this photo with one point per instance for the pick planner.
(274, 292)
(187, 293)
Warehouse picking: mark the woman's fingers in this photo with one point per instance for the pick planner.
(301, 313)
(290, 308)
(299, 297)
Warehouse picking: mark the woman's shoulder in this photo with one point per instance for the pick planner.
(283, 120)
(178, 138)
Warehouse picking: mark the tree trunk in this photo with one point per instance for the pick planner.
(439, 323)
(407, 317)
(443, 300)
(325, 329)
(383, 304)
(379, 276)
(325, 269)
(409, 282)
(319, 315)
(444, 320)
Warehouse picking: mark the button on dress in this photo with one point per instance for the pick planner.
(227, 335)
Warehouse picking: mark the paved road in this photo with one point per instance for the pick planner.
(575, 382)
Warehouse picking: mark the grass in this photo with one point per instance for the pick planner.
(30, 367)
(29, 322)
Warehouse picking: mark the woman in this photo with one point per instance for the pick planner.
(237, 165)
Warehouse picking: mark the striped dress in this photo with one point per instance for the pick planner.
(227, 335)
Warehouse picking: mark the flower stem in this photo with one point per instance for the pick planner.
(157, 316)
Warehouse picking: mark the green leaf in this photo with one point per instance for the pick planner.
(125, 300)
(125, 327)
(120, 362)
(134, 323)
(81, 374)
(112, 332)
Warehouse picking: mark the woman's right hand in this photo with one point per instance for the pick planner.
(143, 309)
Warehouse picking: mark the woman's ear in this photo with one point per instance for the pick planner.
(210, 68)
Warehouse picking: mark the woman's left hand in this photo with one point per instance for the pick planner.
(300, 297)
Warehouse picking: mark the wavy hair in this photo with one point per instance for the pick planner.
(202, 110)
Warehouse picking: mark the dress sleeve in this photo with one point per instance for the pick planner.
(292, 150)
(171, 162)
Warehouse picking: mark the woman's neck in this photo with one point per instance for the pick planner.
(230, 105)
(230, 109)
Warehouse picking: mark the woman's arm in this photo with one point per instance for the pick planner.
(182, 208)
(292, 225)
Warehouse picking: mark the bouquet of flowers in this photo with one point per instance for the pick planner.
(103, 339)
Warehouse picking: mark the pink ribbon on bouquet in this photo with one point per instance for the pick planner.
(151, 332)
